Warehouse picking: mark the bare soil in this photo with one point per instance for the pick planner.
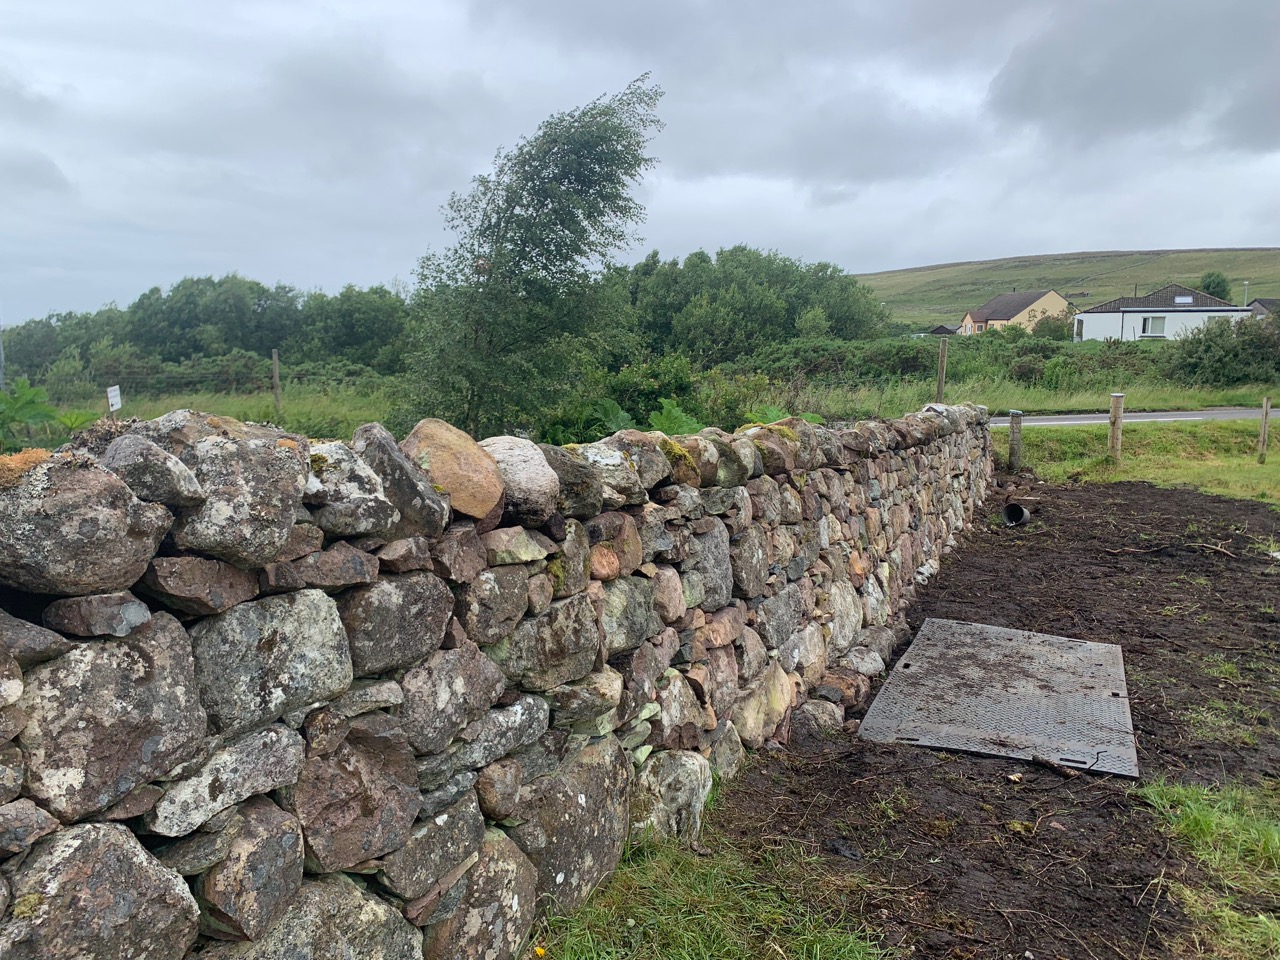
(960, 856)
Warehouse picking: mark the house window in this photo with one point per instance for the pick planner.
(1153, 326)
(979, 327)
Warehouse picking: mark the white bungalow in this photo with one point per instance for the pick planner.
(1161, 315)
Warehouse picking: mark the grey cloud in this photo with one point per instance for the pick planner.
(20, 103)
(1099, 70)
(25, 171)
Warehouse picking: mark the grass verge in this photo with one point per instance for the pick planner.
(1217, 456)
(1234, 832)
(669, 903)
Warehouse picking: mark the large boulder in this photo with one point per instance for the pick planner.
(151, 473)
(461, 466)
(533, 489)
(490, 606)
(246, 891)
(763, 706)
(265, 657)
(258, 762)
(91, 892)
(350, 501)
(331, 918)
(496, 912)
(551, 649)
(71, 527)
(424, 512)
(668, 796)
(581, 492)
(438, 845)
(447, 691)
(395, 621)
(574, 823)
(105, 717)
(627, 615)
(358, 801)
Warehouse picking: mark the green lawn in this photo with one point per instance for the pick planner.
(942, 293)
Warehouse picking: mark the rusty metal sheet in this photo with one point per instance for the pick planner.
(1008, 693)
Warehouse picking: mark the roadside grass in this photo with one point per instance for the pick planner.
(1234, 832)
(835, 402)
(1216, 456)
(1221, 721)
(668, 903)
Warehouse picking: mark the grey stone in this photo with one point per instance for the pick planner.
(91, 892)
(570, 569)
(22, 823)
(331, 918)
(497, 911)
(880, 640)
(498, 788)
(668, 796)
(106, 717)
(763, 706)
(151, 473)
(245, 893)
(395, 621)
(515, 545)
(70, 527)
(727, 753)
(12, 769)
(454, 790)
(845, 607)
(437, 845)
(533, 488)
(749, 559)
(449, 690)
(197, 852)
(491, 605)
(367, 695)
(11, 685)
(265, 657)
(256, 763)
(551, 649)
(336, 568)
(494, 735)
(458, 554)
(575, 823)
(805, 652)
(99, 615)
(864, 661)
(351, 501)
(581, 494)
(627, 615)
(595, 694)
(715, 566)
(779, 617)
(423, 511)
(819, 716)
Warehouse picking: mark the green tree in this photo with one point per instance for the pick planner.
(501, 309)
(1054, 326)
(1216, 284)
(22, 408)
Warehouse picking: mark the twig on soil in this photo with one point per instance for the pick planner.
(1219, 548)
(1121, 550)
(1065, 772)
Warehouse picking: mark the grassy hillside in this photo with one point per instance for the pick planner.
(942, 293)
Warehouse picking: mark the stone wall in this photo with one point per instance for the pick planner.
(265, 697)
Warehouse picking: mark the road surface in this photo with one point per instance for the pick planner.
(1168, 416)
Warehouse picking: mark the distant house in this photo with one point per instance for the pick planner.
(1261, 306)
(1160, 315)
(1013, 309)
(942, 330)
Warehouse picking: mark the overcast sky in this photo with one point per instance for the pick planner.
(313, 141)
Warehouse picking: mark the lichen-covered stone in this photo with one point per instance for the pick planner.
(12, 769)
(106, 717)
(351, 501)
(91, 892)
(246, 891)
(336, 568)
(597, 693)
(667, 798)
(258, 762)
(490, 606)
(533, 488)
(30, 644)
(358, 801)
(581, 492)
(151, 473)
(198, 585)
(627, 615)
(575, 823)
(395, 621)
(446, 692)
(98, 615)
(457, 463)
(749, 559)
(498, 788)
(570, 569)
(331, 918)
(494, 735)
(805, 652)
(713, 564)
(423, 510)
(554, 648)
(265, 657)
(762, 707)
(22, 823)
(438, 844)
(515, 545)
(70, 527)
(10, 680)
(497, 911)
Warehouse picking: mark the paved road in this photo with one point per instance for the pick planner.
(1083, 419)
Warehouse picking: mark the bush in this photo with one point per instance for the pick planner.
(1226, 353)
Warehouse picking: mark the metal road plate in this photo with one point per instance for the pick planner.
(1008, 693)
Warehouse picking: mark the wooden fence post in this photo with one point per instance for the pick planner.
(942, 370)
(1117, 426)
(275, 377)
(1262, 435)
(1015, 441)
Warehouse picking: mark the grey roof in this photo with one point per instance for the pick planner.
(1007, 305)
(1163, 299)
(1269, 304)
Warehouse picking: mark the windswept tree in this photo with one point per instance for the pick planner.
(503, 311)
(1216, 284)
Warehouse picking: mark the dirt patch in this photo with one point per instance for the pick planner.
(960, 856)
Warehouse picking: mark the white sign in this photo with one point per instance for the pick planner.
(113, 399)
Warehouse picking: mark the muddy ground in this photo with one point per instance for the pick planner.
(961, 856)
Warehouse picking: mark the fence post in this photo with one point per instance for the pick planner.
(275, 377)
(942, 370)
(1262, 435)
(1015, 441)
(1117, 426)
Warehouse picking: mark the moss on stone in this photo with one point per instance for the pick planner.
(27, 906)
(15, 465)
(318, 463)
(786, 433)
(676, 454)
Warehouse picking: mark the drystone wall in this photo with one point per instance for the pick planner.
(265, 697)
